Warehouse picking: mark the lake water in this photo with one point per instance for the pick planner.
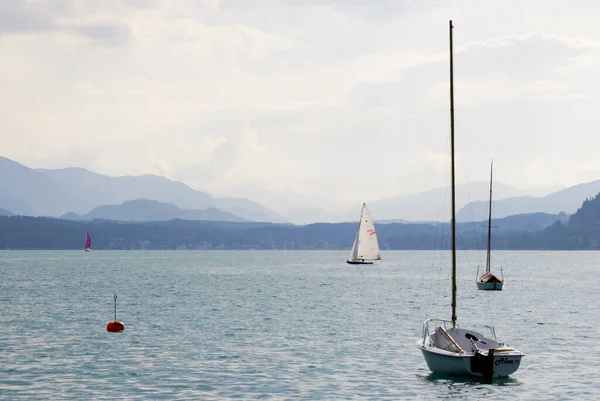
(296, 325)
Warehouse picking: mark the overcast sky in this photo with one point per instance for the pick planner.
(341, 100)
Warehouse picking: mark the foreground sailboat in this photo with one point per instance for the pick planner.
(448, 349)
(366, 247)
(88, 242)
(489, 281)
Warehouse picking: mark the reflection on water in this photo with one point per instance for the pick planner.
(465, 386)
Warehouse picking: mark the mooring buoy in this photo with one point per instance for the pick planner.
(115, 325)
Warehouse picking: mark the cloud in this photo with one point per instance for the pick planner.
(239, 157)
(528, 54)
(113, 34)
(19, 16)
(33, 17)
(332, 99)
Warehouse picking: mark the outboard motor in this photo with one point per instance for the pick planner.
(482, 363)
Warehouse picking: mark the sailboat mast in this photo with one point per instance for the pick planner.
(453, 183)
(489, 237)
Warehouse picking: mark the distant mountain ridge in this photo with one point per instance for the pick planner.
(47, 192)
(113, 190)
(588, 213)
(4, 212)
(515, 232)
(567, 200)
(429, 205)
(56, 192)
(26, 191)
(151, 210)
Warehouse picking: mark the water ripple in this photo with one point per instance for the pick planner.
(283, 326)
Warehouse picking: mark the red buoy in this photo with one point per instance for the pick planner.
(115, 326)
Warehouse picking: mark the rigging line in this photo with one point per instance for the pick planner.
(488, 304)
(442, 255)
(444, 243)
(442, 249)
(441, 226)
(437, 247)
(457, 146)
(464, 247)
(473, 222)
(433, 263)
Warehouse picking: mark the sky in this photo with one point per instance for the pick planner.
(328, 102)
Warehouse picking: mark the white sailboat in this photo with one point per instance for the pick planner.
(454, 351)
(366, 247)
(489, 280)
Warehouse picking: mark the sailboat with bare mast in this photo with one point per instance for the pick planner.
(489, 280)
(454, 351)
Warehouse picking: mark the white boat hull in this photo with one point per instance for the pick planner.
(452, 364)
(481, 285)
(463, 352)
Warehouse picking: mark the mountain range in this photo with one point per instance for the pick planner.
(76, 193)
(567, 200)
(46, 192)
(472, 203)
(515, 232)
(151, 210)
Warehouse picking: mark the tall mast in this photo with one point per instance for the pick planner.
(489, 239)
(453, 183)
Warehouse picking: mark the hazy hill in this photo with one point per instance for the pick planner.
(307, 215)
(566, 200)
(285, 202)
(248, 210)
(27, 191)
(70, 216)
(431, 205)
(34, 192)
(18, 206)
(47, 233)
(151, 210)
(4, 212)
(588, 213)
(521, 222)
(103, 189)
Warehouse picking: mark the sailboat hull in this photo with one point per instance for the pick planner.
(490, 286)
(453, 364)
(358, 262)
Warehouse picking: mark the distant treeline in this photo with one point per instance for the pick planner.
(515, 232)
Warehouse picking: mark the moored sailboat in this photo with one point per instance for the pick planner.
(366, 246)
(454, 351)
(489, 280)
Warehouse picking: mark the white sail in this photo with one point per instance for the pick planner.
(366, 246)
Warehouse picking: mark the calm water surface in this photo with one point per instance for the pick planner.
(295, 325)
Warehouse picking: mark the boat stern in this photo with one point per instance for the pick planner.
(489, 286)
(506, 363)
